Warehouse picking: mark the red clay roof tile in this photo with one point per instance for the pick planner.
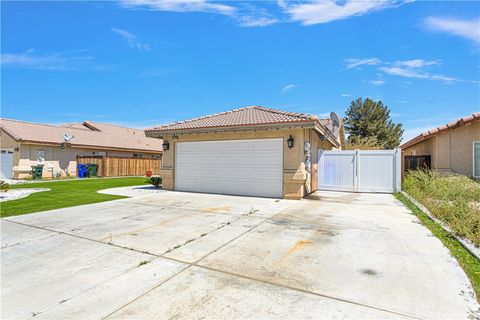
(255, 115)
(454, 124)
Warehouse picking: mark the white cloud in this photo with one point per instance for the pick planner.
(289, 87)
(132, 40)
(378, 82)
(354, 63)
(468, 29)
(417, 63)
(419, 74)
(346, 95)
(404, 72)
(252, 21)
(414, 68)
(246, 14)
(72, 60)
(401, 101)
(180, 6)
(282, 4)
(329, 10)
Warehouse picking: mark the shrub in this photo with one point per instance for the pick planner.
(156, 181)
(452, 199)
(4, 186)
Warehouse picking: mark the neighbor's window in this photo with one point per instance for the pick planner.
(476, 159)
(138, 155)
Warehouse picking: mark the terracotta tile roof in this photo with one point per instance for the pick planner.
(109, 137)
(110, 128)
(249, 116)
(452, 125)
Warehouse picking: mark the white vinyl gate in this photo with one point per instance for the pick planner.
(360, 170)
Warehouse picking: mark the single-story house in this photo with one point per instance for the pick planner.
(253, 151)
(26, 144)
(453, 147)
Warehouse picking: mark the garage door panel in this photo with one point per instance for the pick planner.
(6, 164)
(242, 167)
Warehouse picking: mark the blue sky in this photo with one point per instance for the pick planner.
(142, 63)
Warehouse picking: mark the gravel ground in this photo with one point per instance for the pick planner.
(19, 193)
(10, 181)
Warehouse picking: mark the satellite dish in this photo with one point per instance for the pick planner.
(336, 120)
(67, 138)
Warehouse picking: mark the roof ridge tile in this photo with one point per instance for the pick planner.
(259, 115)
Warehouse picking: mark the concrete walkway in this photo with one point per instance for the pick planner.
(166, 255)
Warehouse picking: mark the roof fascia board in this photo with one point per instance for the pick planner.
(325, 132)
(80, 146)
(162, 133)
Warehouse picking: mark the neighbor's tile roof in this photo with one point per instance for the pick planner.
(452, 125)
(109, 136)
(249, 116)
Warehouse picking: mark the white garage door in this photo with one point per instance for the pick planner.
(238, 167)
(6, 164)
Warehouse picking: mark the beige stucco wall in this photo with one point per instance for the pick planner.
(450, 150)
(297, 181)
(62, 161)
(316, 145)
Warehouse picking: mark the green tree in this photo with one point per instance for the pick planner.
(368, 123)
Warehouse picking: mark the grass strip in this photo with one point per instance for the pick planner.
(469, 263)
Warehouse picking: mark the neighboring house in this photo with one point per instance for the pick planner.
(454, 147)
(252, 151)
(26, 144)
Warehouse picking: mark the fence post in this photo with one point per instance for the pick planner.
(398, 170)
(356, 177)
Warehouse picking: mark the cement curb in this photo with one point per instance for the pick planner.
(467, 244)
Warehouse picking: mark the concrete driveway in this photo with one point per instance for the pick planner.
(172, 255)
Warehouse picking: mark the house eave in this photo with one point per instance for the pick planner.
(162, 133)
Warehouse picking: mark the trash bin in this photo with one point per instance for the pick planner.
(92, 169)
(81, 170)
(37, 172)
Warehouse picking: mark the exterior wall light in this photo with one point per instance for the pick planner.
(290, 142)
(165, 145)
(323, 138)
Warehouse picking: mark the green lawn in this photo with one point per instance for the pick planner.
(469, 263)
(67, 193)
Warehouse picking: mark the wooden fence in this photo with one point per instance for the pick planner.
(122, 166)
